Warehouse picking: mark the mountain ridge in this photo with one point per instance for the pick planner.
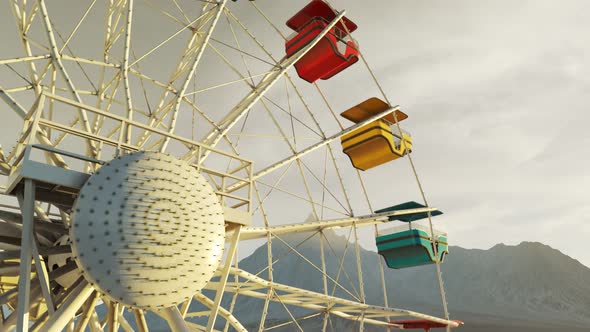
(529, 283)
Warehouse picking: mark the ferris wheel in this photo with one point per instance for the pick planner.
(157, 139)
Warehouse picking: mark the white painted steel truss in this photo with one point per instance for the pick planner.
(87, 90)
(253, 286)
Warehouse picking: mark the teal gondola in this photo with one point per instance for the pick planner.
(412, 247)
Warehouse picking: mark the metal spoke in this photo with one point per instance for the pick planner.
(86, 97)
(28, 202)
(78, 295)
(266, 83)
(222, 311)
(174, 319)
(199, 53)
(56, 56)
(87, 311)
(140, 320)
(223, 278)
(77, 26)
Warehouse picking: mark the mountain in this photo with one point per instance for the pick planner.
(528, 287)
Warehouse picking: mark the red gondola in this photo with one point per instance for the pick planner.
(335, 52)
(421, 324)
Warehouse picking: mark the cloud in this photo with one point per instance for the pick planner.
(497, 96)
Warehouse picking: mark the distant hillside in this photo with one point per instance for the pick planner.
(528, 287)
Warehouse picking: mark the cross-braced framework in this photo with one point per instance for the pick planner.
(203, 81)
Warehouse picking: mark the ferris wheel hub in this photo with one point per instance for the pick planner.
(56, 261)
(147, 230)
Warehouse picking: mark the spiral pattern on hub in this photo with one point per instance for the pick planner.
(147, 230)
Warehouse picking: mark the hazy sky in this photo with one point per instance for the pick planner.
(497, 93)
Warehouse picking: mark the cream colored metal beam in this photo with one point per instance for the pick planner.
(56, 55)
(87, 311)
(227, 123)
(174, 319)
(222, 311)
(249, 233)
(314, 147)
(140, 320)
(223, 278)
(68, 309)
(316, 301)
(164, 105)
(125, 70)
(196, 61)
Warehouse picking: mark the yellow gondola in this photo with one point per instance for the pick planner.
(375, 143)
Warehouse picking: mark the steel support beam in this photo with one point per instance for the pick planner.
(87, 312)
(223, 279)
(140, 320)
(62, 316)
(249, 233)
(180, 94)
(312, 148)
(214, 136)
(174, 318)
(256, 287)
(229, 317)
(24, 282)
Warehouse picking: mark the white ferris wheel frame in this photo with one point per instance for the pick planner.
(25, 174)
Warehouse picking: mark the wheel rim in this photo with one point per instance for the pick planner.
(122, 75)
